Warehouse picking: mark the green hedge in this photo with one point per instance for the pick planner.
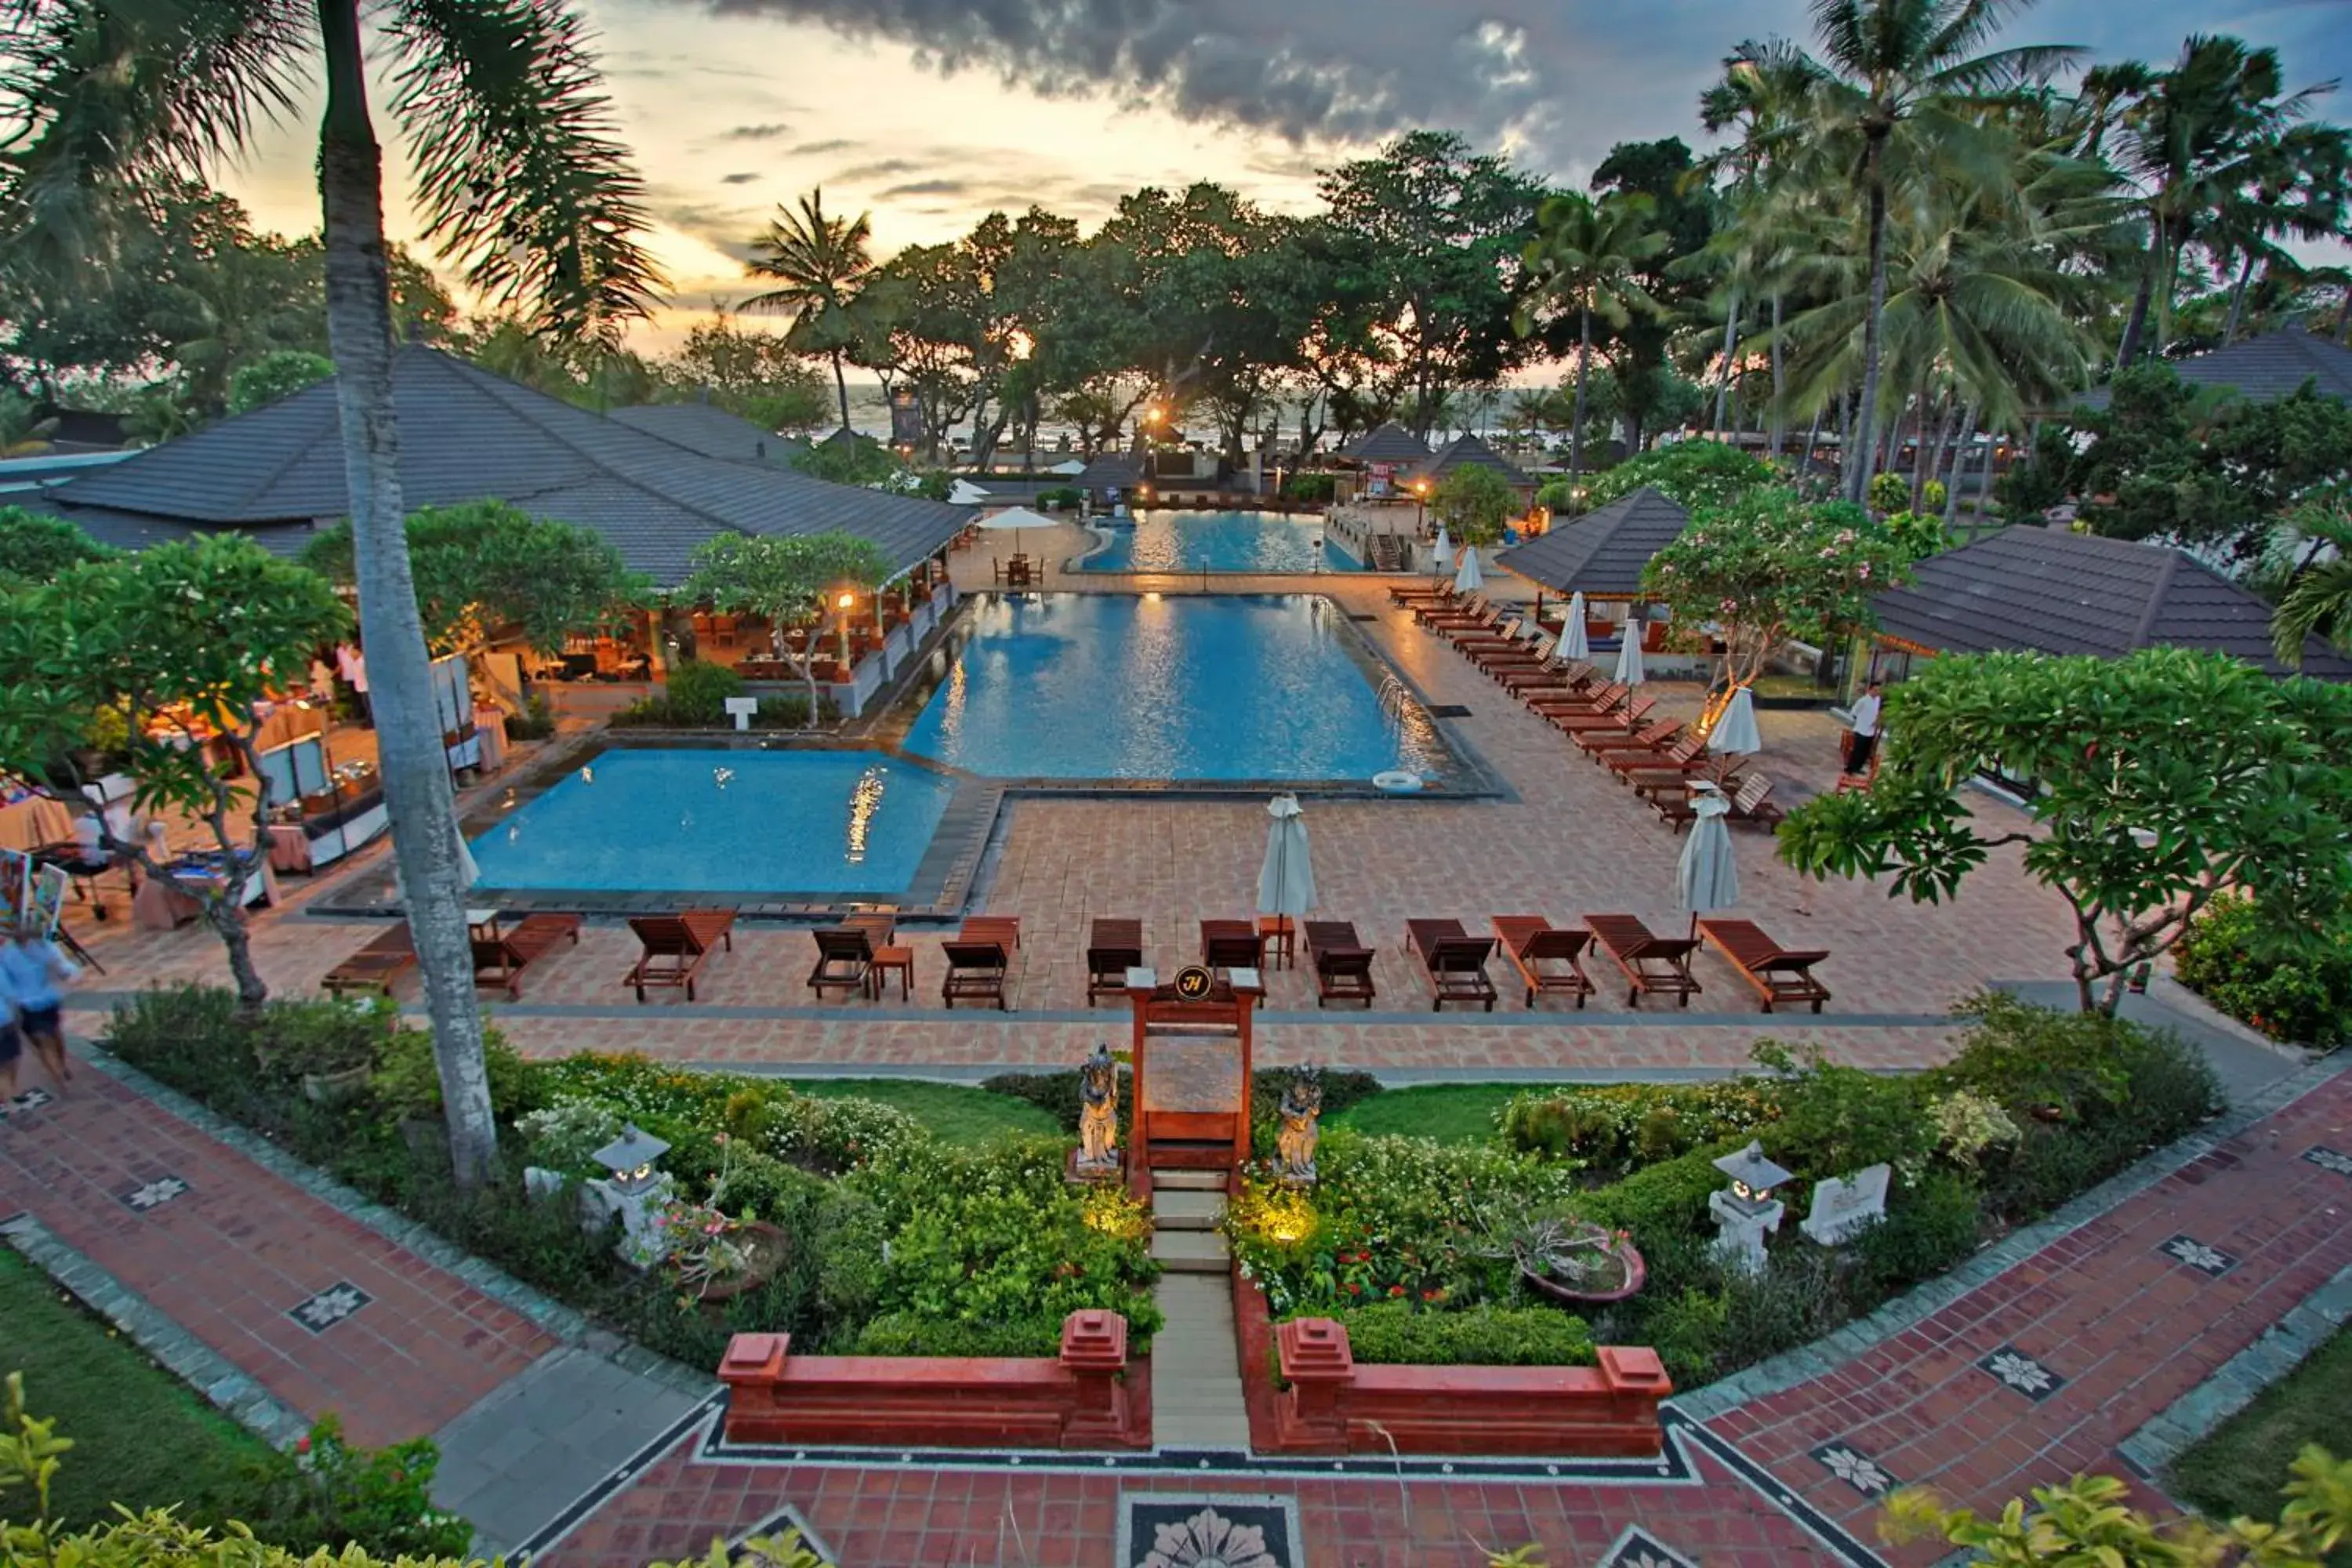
(1394, 1334)
(2241, 961)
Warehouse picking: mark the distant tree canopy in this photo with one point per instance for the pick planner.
(281, 372)
(483, 567)
(35, 547)
(1475, 501)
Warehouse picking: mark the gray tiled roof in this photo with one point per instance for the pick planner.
(710, 430)
(1389, 443)
(466, 434)
(2270, 366)
(1603, 551)
(1465, 451)
(2051, 591)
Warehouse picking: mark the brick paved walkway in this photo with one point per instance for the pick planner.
(232, 1252)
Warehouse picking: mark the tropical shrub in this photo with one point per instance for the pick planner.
(2290, 985)
(699, 690)
(1694, 474)
(1392, 1332)
(1310, 489)
(1059, 498)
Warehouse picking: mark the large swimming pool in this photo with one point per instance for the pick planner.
(1274, 688)
(1217, 541)
(727, 822)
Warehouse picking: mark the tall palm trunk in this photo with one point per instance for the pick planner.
(1583, 364)
(1959, 466)
(1731, 346)
(2136, 324)
(1983, 513)
(1857, 452)
(841, 385)
(400, 678)
(1779, 413)
(2238, 302)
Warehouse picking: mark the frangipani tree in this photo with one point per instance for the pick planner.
(520, 180)
(485, 566)
(2163, 778)
(1768, 566)
(786, 582)
(182, 641)
(1473, 502)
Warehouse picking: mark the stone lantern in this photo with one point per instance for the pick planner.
(635, 1190)
(1745, 1215)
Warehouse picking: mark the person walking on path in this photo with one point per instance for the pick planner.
(31, 971)
(1862, 744)
(11, 1047)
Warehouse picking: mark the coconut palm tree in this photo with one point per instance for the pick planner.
(2299, 187)
(1761, 99)
(1899, 79)
(2187, 137)
(819, 265)
(2318, 601)
(518, 179)
(1583, 259)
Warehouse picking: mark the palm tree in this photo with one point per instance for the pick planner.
(2318, 601)
(1762, 99)
(1898, 80)
(820, 264)
(2187, 138)
(520, 182)
(2299, 187)
(1583, 259)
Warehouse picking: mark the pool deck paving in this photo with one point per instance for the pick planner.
(532, 1407)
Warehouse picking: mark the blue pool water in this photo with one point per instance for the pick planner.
(1218, 542)
(1104, 686)
(723, 822)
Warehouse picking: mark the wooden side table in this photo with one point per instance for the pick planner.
(890, 959)
(1277, 937)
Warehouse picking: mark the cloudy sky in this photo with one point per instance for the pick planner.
(928, 113)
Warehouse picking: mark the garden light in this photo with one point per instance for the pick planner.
(630, 1158)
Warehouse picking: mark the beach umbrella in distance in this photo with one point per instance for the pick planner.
(1468, 579)
(1572, 644)
(1735, 732)
(1708, 876)
(1015, 519)
(1440, 553)
(1629, 654)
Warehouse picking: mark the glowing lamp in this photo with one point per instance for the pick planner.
(1753, 1177)
(845, 601)
(630, 1158)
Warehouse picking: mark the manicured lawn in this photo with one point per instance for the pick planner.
(1449, 1113)
(954, 1112)
(2240, 1468)
(141, 1436)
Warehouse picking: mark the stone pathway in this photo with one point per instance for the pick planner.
(1196, 1384)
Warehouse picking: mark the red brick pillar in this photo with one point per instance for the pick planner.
(1315, 1362)
(1094, 1352)
(753, 1371)
(1637, 1381)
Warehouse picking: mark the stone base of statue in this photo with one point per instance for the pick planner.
(643, 1243)
(1081, 1172)
(1740, 1229)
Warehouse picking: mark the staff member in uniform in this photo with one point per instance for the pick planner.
(1864, 740)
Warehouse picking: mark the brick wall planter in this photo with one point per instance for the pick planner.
(1090, 1396)
(1334, 1406)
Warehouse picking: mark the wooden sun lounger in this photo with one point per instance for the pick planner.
(1002, 930)
(499, 961)
(1601, 699)
(1231, 944)
(1748, 803)
(1114, 946)
(975, 972)
(1468, 615)
(389, 955)
(1550, 957)
(1438, 591)
(1561, 677)
(1342, 963)
(1654, 966)
(1776, 973)
(676, 947)
(1627, 718)
(1646, 741)
(845, 960)
(1454, 960)
(1686, 754)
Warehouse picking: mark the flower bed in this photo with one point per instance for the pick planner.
(839, 1221)
(1418, 1249)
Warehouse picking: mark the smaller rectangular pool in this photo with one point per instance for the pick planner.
(1268, 542)
(723, 822)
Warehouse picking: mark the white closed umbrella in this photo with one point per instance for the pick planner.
(1439, 554)
(1572, 643)
(1629, 655)
(1708, 876)
(468, 872)
(1735, 732)
(1469, 579)
(1286, 883)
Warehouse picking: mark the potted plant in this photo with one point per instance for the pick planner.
(331, 1046)
(1574, 1261)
